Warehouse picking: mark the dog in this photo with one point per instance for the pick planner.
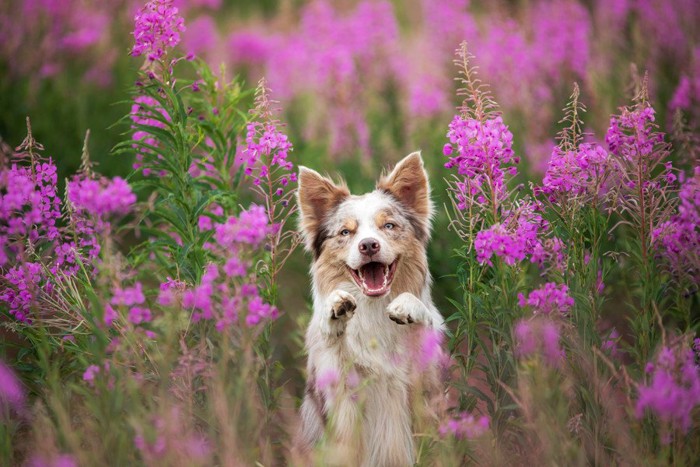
(373, 315)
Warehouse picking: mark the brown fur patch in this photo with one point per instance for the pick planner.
(317, 197)
(412, 270)
(408, 183)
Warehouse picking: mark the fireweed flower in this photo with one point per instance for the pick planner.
(515, 238)
(481, 152)
(465, 426)
(538, 337)
(674, 389)
(630, 135)
(266, 148)
(157, 28)
(221, 295)
(548, 299)
(101, 197)
(679, 238)
(549, 254)
(11, 392)
(133, 298)
(576, 172)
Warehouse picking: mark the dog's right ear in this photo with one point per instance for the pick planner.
(317, 196)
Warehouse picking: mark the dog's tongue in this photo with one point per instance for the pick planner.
(373, 275)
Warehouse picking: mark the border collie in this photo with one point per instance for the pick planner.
(373, 318)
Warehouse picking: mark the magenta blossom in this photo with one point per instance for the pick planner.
(11, 392)
(482, 154)
(102, 197)
(548, 299)
(157, 28)
(465, 426)
(674, 390)
(538, 337)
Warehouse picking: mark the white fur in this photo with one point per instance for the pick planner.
(368, 425)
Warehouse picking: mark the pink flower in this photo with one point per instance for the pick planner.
(110, 315)
(129, 295)
(90, 373)
(483, 154)
(548, 299)
(538, 337)
(674, 389)
(157, 27)
(465, 426)
(101, 197)
(11, 392)
(138, 315)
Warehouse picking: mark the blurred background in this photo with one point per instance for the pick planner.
(360, 83)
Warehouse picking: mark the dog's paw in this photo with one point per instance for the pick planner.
(405, 309)
(343, 305)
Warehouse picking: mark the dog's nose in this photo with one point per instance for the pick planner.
(369, 246)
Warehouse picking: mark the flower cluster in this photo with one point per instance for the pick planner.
(482, 152)
(224, 294)
(101, 197)
(29, 210)
(674, 389)
(29, 204)
(576, 172)
(548, 299)
(538, 337)
(679, 237)
(11, 392)
(549, 254)
(266, 147)
(631, 135)
(515, 238)
(465, 426)
(131, 298)
(157, 28)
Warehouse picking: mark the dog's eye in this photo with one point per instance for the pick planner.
(389, 226)
(345, 232)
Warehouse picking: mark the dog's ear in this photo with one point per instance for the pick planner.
(408, 183)
(317, 196)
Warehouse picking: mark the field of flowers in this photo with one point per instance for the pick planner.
(153, 297)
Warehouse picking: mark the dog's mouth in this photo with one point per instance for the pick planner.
(374, 279)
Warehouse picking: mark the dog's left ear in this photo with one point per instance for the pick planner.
(408, 183)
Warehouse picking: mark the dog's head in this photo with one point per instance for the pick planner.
(375, 241)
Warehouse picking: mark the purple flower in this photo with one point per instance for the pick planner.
(548, 299)
(128, 296)
(157, 28)
(11, 392)
(110, 315)
(631, 136)
(259, 311)
(101, 197)
(538, 337)
(679, 238)
(139, 314)
(250, 227)
(266, 147)
(90, 373)
(513, 239)
(577, 171)
(610, 343)
(674, 389)
(483, 153)
(465, 426)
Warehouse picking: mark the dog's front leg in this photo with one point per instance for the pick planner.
(339, 308)
(409, 309)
